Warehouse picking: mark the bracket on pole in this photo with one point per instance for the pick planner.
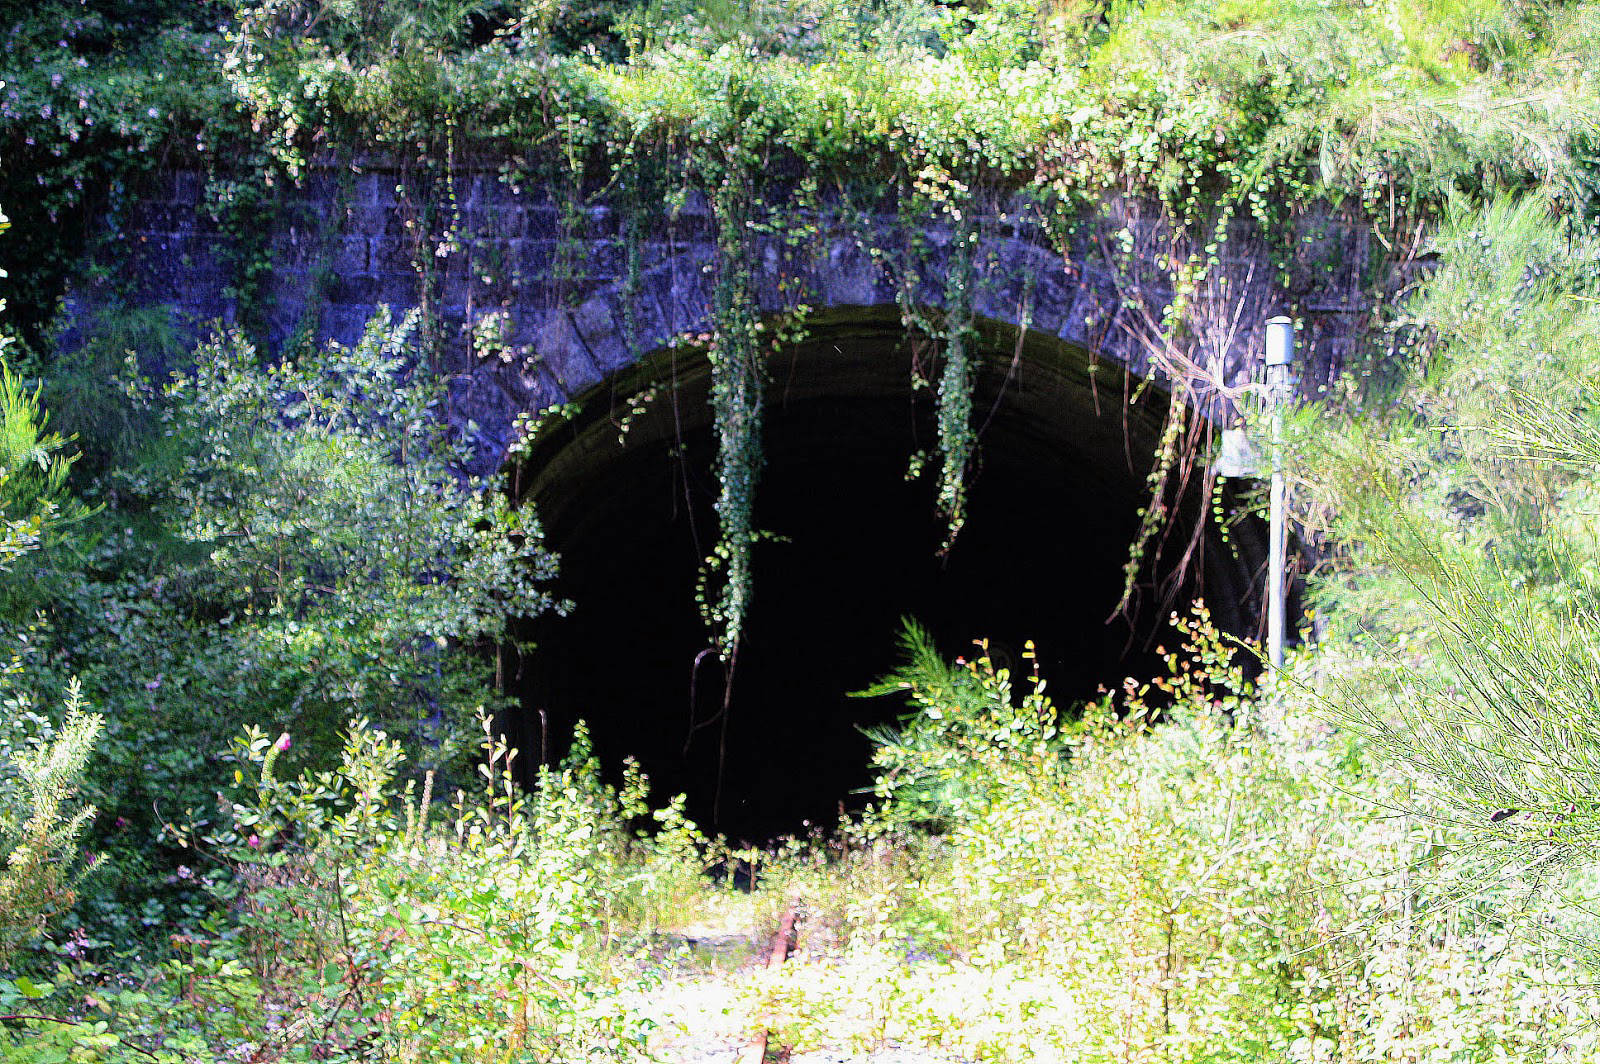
(1280, 357)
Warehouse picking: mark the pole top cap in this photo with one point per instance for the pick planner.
(1280, 341)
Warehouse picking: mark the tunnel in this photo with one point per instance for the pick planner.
(625, 490)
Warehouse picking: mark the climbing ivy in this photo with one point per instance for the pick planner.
(738, 380)
(738, 377)
(1158, 482)
(956, 440)
(772, 108)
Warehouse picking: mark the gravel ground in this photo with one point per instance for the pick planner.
(704, 1016)
(716, 996)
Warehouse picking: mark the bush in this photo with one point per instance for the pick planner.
(40, 771)
(482, 931)
(948, 754)
(1212, 888)
(40, 767)
(292, 543)
(369, 918)
(1465, 580)
(34, 463)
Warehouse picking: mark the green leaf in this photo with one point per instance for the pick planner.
(32, 990)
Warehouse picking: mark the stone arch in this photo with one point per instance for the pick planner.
(1020, 282)
(595, 305)
(623, 488)
(582, 302)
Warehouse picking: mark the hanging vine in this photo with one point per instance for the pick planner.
(957, 442)
(738, 384)
(934, 189)
(994, 102)
(1153, 514)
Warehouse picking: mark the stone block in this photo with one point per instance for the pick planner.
(604, 260)
(388, 255)
(543, 222)
(594, 319)
(354, 290)
(366, 219)
(349, 255)
(695, 205)
(539, 388)
(317, 187)
(497, 221)
(649, 324)
(601, 223)
(398, 290)
(850, 276)
(372, 188)
(345, 324)
(1052, 299)
(188, 186)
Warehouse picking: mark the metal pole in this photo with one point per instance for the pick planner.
(1280, 355)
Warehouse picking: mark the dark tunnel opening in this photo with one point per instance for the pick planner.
(854, 549)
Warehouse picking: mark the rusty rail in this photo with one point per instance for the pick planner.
(783, 941)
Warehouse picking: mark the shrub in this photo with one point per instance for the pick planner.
(1211, 888)
(40, 767)
(40, 771)
(1465, 574)
(369, 918)
(949, 753)
(293, 543)
(34, 464)
(478, 934)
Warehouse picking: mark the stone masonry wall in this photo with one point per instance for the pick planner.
(474, 246)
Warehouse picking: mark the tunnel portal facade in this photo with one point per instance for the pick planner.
(538, 305)
(851, 549)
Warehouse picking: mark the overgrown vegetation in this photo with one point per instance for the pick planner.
(1465, 517)
(290, 543)
(1210, 888)
(247, 634)
(1382, 109)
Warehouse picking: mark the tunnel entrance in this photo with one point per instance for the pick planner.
(625, 490)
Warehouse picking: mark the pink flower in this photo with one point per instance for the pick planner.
(254, 842)
(283, 742)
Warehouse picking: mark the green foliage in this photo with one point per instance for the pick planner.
(327, 488)
(40, 767)
(738, 398)
(940, 764)
(292, 544)
(88, 98)
(363, 31)
(1208, 112)
(33, 472)
(1211, 888)
(295, 543)
(481, 934)
(86, 388)
(367, 919)
(1467, 589)
(40, 771)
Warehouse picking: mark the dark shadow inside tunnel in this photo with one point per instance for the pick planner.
(854, 548)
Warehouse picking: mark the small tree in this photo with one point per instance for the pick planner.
(33, 471)
(39, 772)
(39, 775)
(329, 522)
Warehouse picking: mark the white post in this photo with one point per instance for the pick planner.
(1280, 355)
